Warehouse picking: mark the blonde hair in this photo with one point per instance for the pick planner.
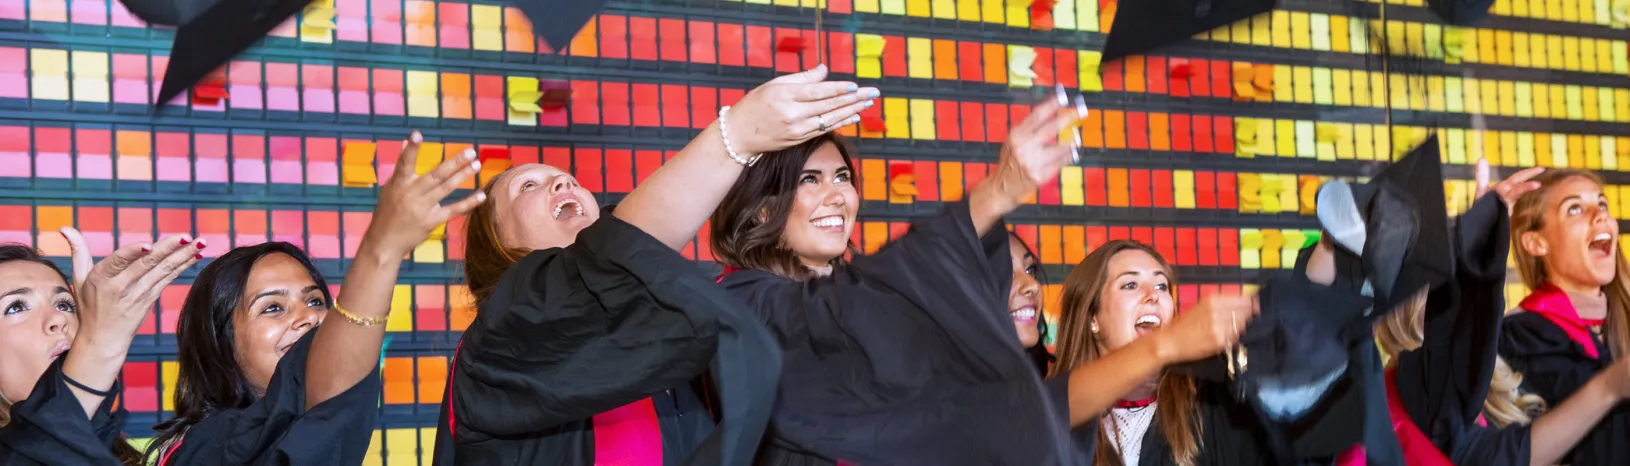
(1077, 346)
(1505, 405)
(5, 411)
(1405, 330)
(1528, 215)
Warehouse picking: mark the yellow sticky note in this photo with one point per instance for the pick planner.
(1273, 242)
(1183, 189)
(439, 233)
(1542, 100)
(1293, 240)
(1344, 143)
(1281, 28)
(1593, 155)
(1524, 99)
(918, 8)
(1508, 149)
(429, 252)
(90, 76)
(1319, 28)
(1537, 51)
(1525, 149)
(430, 154)
(1302, 76)
(1300, 31)
(1310, 194)
(1455, 141)
(1507, 93)
(1266, 144)
(1250, 193)
(1575, 102)
(1605, 106)
(1433, 36)
(1245, 134)
(1358, 35)
(1323, 93)
(1363, 142)
(1453, 44)
(356, 165)
(422, 94)
(523, 95)
(920, 57)
(1018, 13)
(1072, 186)
(1503, 55)
(1342, 82)
(1262, 29)
(1338, 34)
(1288, 194)
(869, 55)
(487, 27)
(1559, 102)
(50, 69)
(317, 22)
(1305, 140)
(922, 119)
(1086, 14)
(401, 313)
(1268, 194)
(1621, 104)
(1088, 62)
(1588, 99)
(1285, 138)
(1570, 53)
(1283, 89)
(1020, 58)
(1361, 88)
(1063, 14)
(1250, 248)
(897, 114)
(1610, 154)
(1451, 91)
(894, 7)
(992, 11)
(1327, 132)
(1621, 57)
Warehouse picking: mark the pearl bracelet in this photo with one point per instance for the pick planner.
(724, 134)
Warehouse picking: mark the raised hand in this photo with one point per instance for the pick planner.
(1206, 328)
(114, 295)
(792, 109)
(410, 204)
(1509, 189)
(1033, 154)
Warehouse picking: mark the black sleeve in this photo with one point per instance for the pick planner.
(50, 426)
(1443, 384)
(278, 429)
(1552, 365)
(1492, 446)
(1085, 437)
(940, 266)
(613, 318)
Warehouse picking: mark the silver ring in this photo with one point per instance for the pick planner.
(822, 120)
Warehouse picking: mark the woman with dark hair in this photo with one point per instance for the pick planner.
(1575, 324)
(875, 348)
(593, 333)
(1024, 304)
(266, 375)
(62, 347)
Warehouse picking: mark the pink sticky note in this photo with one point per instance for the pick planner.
(92, 12)
(121, 16)
(100, 242)
(245, 96)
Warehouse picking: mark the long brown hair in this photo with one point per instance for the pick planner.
(1078, 346)
(485, 257)
(746, 229)
(1528, 215)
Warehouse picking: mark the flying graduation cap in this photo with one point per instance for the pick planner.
(210, 32)
(1390, 240)
(1144, 25)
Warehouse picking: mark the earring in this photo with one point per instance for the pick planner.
(1094, 327)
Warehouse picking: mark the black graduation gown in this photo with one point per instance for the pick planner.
(50, 426)
(1442, 385)
(906, 356)
(277, 429)
(1553, 366)
(612, 319)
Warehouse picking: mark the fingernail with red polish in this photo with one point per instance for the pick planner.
(145, 250)
(198, 256)
(201, 245)
(184, 241)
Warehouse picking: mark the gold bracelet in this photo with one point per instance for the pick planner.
(359, 320)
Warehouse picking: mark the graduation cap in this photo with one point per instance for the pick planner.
(1396, 226)
(1390, 239)
(1460, 12)
(1144, 25)
(210, 32)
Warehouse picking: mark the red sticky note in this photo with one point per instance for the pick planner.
(643, 38)
(647, 101)
(996, 123)
(1096, 236)
(1228, 244)
(619, 170)
(1043, 66)
(1181, 133)
(1137, 130)
(675, 106)
(646, 162)
(1180, 73)
(1207, 247)
(1223, 135)
(1162, 188)
(1156, 73)
(585, 102)
(760, 39)
(613, 36)
(1221, 73)
(1200, 83)
(1202, 134)
(1166, 243)
(788, 61)
(614, 98)
(1138, 185)
(946, 127)
(1097, 182)
(1068, 73)
(519, 155)
(1114, 75)
(1227, 192)
(927, 172)
(732, 45)
(704, 106)
(1187, 253)
(894, 56)
(1205, 190)
(673, 39)
(558, 157)
(702, 43)
(973, 122)
(840, 52)
(587, 169)
(790, 44)
(969, 57)
(490, 153)
(1145, 235)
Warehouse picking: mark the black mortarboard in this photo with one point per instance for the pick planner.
(1396, 226)
(557, 21)
(1461, 12)
(210, 32)
(1144, 25)
(210, 39)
